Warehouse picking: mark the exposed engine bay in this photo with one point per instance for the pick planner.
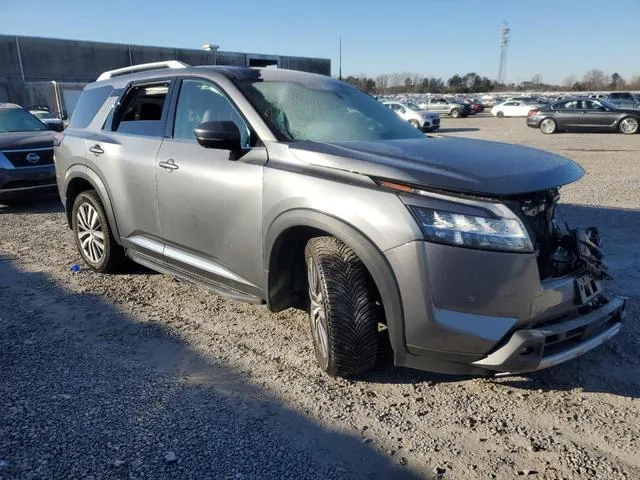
(561, 249)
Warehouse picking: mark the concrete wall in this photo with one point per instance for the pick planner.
(50, 59)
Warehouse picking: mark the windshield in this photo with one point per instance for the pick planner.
(413, 106)
(323, 110)
(18, 120)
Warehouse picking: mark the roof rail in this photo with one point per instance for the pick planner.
(143, 67)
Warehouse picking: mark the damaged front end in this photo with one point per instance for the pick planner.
(570, 315)
(561, 250)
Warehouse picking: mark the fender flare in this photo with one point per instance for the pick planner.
(85, 173)
(373, 259)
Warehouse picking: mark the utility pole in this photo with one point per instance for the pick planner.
(340, 67)
(505, 33)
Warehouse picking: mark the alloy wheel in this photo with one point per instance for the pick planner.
(629, 125)
(317, 312)
(548, 126)
(90, 234)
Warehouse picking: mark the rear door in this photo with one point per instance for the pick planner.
(124, 156)
(569, 114)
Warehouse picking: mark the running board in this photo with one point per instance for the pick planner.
(206, 283)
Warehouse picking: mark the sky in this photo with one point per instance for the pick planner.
(428, 37)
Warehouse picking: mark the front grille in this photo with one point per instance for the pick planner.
(29, 158)
(436, 121)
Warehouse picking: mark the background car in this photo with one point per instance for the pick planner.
(26, 154)
(445, 106)
(586, 114)
(45, 116)
(416, 116)
(623, 100)
(513, 108)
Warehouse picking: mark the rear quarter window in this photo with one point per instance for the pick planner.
(88, 105)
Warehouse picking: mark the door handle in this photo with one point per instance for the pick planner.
(97, 149)
(168, 165)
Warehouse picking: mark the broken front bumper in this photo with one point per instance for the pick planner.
(550, 344)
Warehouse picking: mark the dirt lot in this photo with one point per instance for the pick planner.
(140, 376)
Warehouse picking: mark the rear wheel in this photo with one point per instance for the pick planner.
(455, 113)
(548, 125)
(629, 125)
(343, 308)
(500, 114)
(93, 235)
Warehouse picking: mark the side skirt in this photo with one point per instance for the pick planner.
(207, 283)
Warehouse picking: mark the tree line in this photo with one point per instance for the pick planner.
(592, 80)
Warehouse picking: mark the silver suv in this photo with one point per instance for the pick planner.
(412, 113)
(297, 190)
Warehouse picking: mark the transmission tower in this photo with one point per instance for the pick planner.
(505, 32)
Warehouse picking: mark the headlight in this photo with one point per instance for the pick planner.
(500, 234)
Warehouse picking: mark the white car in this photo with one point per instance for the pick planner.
(513, 108)
(412, 113)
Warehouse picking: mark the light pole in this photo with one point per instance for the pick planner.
(210, 47)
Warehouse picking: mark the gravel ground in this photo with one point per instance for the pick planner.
(138, 375)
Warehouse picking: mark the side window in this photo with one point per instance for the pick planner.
(572, 105)
(511, 104)
(200, 101)
(591, 105)
(141, 110)
(394, 106)
(88, 105)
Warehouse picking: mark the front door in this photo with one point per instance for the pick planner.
(596, 115)
(211, 205)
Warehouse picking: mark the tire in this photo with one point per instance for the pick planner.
(629, 125)
(343, 308)
(91, 229)
(415, 123)
(548, 126)
(500, 114)
(455, 113)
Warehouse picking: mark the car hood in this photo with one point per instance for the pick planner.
(26, 140)
(427, 113)
(453, 164)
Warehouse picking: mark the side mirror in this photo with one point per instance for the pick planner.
(221, 135)
(55, 126)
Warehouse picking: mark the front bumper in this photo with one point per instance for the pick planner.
(470, 311)
(431, 124)
(26, 182)
(557, 342)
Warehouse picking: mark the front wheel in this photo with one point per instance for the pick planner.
(629, 125)
(500, 114)
(343, 308)
(548, 126)
(455, 113)
(93, 235)
(415, 123)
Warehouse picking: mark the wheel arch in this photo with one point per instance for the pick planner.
(287, 235)
(80, 179)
